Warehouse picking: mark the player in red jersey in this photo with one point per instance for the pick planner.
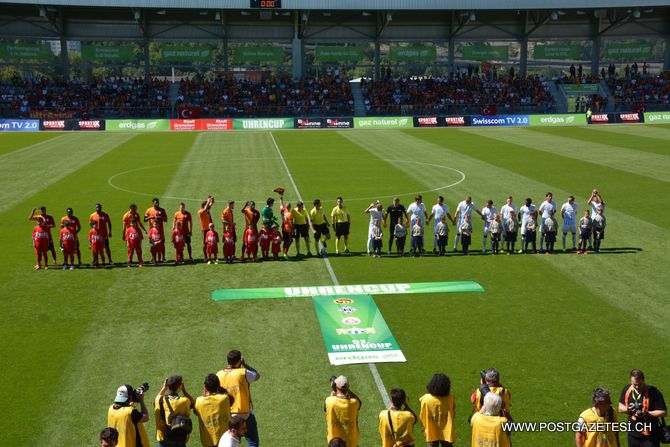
(178, 240)
(265, 240)
(47, 225)
(134, 242)
(96, 242)
(276, 238)
(157, 214)
(205, 218)
(41, 243)
(185, 220)
(228, 244)
(68, 244)
(212, 241)
(251, 242)
(76, 226)
(104, 228)
(251, 217)
(127, 217)
(157, 243)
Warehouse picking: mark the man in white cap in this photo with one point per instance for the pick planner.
(342, 407)
(124, 417)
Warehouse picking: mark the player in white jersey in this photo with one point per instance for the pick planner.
(545, 208)
(524, 215)
(595, 201)
(488, 214)
(507, 207)
(569, 215)
(417, 212)
(465, 208)
(439, 209)
(376, 211)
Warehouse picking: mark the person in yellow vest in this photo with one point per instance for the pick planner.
(302, 227)
(236, 378)
(487, 425)
(437, 412)
(109, 437)
(320, 225)
(342, 407)
(594, 429)
(168, 405)
(490, 382)
(396, 425)
(213, 410)
(341, 223)
(124, 417)
(644, 405)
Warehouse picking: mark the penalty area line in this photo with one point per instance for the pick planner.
(373, 368)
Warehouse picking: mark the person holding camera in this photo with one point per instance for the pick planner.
(437, 412)
(213, 410)
(487, 424)
(236, 378)
(601, 412)
(126, 419)
(172, 411)
(490, 382)
(342, 407)
(109, 437)
(396, 425)
(644, 405)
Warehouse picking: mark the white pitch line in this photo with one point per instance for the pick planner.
(373, 368)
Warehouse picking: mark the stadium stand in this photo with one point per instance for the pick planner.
(640, 91)
(458, 94)
(326, 96)
(100, 98)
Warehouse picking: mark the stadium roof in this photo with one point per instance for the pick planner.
(354, 4)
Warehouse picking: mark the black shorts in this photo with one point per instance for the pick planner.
(599, 234)
(51, 245)
(585, 233)
(187, 238)
(321, 230)
(288, 237)
(107, 242)
(204, 236)
(301, 231)
(342, 229)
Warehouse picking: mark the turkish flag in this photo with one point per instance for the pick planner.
(489, 110)
(190, 112)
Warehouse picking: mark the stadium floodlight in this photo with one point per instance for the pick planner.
(471, 16)
(366, 13)
(327, 13)
(245, 13)
(161, 12)
(636, 13)
(137, 15)
(286, 13)
(43, 12)
(580, 12)
(554, 15)
(203, 13)
(217, 16)
(389, 16)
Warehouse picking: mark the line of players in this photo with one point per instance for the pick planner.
(297, 223)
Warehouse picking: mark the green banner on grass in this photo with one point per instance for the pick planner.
(104, 53)
(557, 51)
(355, 289)
(137, 125)
(383, 122)
(581, 89)
(558, 120)
(659, 117)
(338, 54)
(39, 52)
(486, 52)
(628, 50)
(417, 53)
(262, 123)
(259, 54)
(354, 330)
(183, 53)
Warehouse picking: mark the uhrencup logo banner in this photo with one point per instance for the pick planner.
(137, 125)
(384, 122)
(558, 120)
(354, 330)
(262, 123)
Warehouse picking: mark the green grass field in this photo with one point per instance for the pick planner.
(555, 326)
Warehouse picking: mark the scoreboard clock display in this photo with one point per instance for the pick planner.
(265, 4)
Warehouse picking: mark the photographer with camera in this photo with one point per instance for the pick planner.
(213, 410)
(437, 412)
(591, 420)
(487, 424)
(172, 411)
(396, 425)
(644, 404)
(342, 407)
(236, 378)
(126, 419)
(490, 382)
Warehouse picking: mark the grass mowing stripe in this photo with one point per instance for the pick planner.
(657, 131)
(568, 144)
(562, 172)
(607, 136)
(373, 368)
(11, 142)
(40, 166)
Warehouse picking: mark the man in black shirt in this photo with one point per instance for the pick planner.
(393, 212)
(643, 404)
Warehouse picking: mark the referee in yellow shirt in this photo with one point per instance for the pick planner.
(320, 226)
(302, 225)
(341, 222)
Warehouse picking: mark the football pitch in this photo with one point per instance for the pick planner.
(555, 326)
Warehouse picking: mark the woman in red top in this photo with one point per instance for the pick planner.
(41, 243)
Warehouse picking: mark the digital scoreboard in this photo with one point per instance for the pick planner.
(265, 4)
